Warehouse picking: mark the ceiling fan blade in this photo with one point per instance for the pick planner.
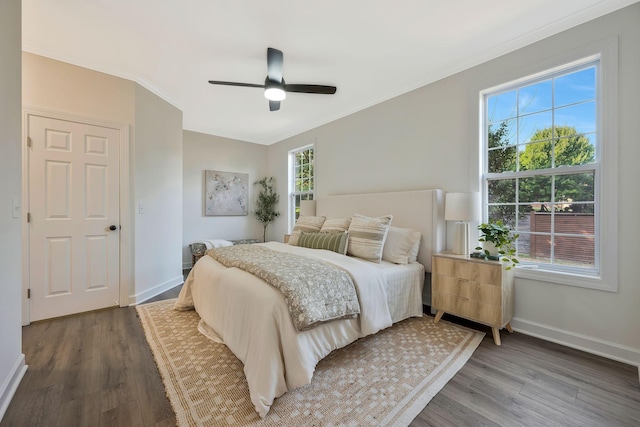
(274, 105)
(274, 64)
(326, 90)
(216, 82)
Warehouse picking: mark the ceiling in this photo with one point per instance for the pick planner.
(372, 50)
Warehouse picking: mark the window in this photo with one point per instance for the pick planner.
(542, 168)
(301, 180)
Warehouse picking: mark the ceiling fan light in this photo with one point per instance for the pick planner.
(275, 93)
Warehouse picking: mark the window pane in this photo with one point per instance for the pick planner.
(577, 187)
(574, 223)
(534, 98)
(500, 107)
(536, 155)
(502, 191)
(527, 216)
(504, 213)
(575, 87)
(581, 117)
(502, 133)
(535, 189)
(574, 251)
(531, 127)
(574, 150)
(502, 160)
(534, 248)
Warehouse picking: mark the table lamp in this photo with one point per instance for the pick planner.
(462, 208)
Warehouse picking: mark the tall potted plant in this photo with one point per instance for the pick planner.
(266, 203)
(498, 242)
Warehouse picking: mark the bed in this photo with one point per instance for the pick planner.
(251, 317)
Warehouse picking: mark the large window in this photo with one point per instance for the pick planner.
(301, 180)
(542, 166)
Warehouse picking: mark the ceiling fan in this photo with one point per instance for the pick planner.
(275, 89)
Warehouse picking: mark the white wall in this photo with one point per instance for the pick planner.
(428, 138)
(157, 183)
(12, 365)
(206, 152)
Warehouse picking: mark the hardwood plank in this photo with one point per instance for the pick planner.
(96, 369)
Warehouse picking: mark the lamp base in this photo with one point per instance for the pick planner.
(461, 238)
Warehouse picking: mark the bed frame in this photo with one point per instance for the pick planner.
(421, 210)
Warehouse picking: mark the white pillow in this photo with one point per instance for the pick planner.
(305, 223)
(401, 246)
(336, 225)
(367, 236)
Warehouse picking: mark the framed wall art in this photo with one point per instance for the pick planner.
(226, 193)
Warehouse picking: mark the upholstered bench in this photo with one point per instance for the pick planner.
(199, 248)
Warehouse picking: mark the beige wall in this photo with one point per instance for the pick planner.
(61, 87)
(12, 366)
(428, 138)
(157, 184)
(207, 152)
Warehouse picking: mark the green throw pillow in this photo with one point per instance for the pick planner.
(336, 242)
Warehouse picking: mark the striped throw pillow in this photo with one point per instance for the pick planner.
(336, 242)
(367, 236)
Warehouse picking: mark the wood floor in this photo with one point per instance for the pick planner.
(95, 369)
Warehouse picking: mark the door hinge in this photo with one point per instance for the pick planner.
(28, 216)
(28, 141)
(28, 293)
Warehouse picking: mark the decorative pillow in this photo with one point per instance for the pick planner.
(399, 245)
(305, 223)
(336, 242)
(367, 236)
(337, 225)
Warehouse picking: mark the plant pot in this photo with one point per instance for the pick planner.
(491, 247)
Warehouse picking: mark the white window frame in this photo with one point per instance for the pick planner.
(606, 191)
(292, 193)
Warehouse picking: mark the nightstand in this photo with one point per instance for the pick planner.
(474, 289)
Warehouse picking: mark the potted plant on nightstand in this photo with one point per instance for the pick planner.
(498, 242)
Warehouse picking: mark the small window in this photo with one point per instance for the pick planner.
(301, 180)
(542, 170)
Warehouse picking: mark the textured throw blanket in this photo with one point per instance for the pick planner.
(314, 291)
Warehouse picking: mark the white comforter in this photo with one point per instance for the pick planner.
(252, 319)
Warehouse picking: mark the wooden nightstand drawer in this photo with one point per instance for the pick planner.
(475, 289)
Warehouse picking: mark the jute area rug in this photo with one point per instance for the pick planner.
(384, 379)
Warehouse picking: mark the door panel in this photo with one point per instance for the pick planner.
(73, 200)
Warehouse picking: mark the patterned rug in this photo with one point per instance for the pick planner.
(384, 379)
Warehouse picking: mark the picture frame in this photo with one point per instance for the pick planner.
(226, 193)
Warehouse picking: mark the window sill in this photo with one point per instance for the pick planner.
(570, 279)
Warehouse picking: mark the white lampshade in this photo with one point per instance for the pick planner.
(307, 207)
(462, 207)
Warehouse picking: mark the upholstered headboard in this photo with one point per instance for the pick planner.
(421, 210)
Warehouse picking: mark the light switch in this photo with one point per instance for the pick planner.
(15, 208)
(140, 208)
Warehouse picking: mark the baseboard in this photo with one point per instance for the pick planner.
(11, 383)
(187, 265)
(620, 353)
(156, 290)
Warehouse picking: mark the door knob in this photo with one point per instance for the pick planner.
(113, 228)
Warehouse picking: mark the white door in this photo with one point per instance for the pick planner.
(74, 217)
